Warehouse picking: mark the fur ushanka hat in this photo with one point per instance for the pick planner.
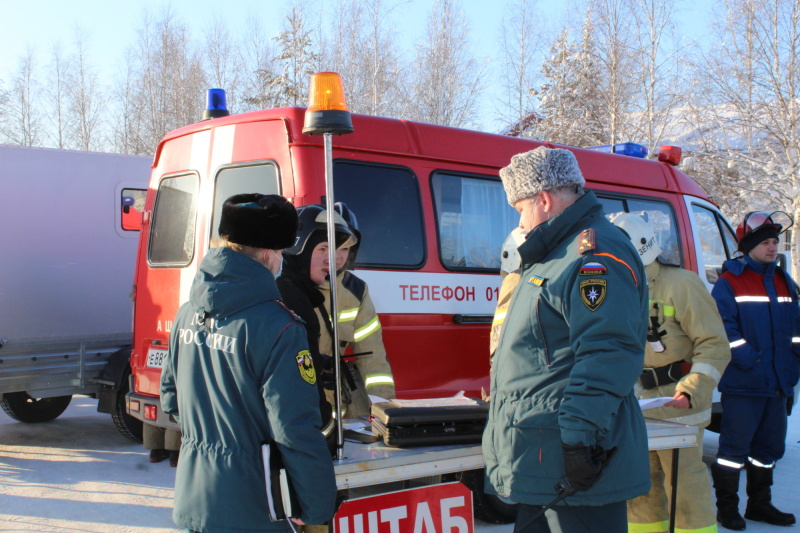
(259, 220)
(539, 170)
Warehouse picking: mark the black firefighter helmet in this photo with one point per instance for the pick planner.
(314, 217)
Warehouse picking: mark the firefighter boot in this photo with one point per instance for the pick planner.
(726, 485)
(759, 498)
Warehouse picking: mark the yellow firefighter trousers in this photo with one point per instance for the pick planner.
(695, 512)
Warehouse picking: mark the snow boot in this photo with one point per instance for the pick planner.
(726, 485)
(759, 498)
(174, 455)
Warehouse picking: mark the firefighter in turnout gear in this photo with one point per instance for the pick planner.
(305, 268)
(758, 301)
(685, 356)
(359, 329)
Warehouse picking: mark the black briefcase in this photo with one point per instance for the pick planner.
(429, 426)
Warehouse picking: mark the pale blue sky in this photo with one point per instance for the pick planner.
(112, 24)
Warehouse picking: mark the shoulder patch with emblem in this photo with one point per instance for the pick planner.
(586, 241)
(536, 280)
(593, 269)
(593, 292)
(306, 367)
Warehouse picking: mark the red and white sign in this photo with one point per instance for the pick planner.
(445, 508)
(432, 293)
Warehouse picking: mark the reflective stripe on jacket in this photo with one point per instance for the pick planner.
(360, 329)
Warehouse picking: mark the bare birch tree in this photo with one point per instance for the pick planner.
(364, 52)
(166, 83)
(222, 61)
(660, 89)
(613, 45)
(22, 122)
(86, 100)
(751, 81)
(55, 96)
(126, 133)
(449, 80)
(3, 103)
(255, 54)
(521, 40)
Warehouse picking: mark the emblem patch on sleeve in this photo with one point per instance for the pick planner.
(593, 292)
(306, 367)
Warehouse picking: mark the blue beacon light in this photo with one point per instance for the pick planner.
(217, 105)
(629, 149)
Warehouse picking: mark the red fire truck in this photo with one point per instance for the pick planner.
(432, 214)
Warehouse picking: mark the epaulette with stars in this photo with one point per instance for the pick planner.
(586, 241)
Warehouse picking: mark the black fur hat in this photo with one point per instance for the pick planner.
(259, 220)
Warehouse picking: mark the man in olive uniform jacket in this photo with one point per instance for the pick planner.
(686, 354)
(563, 417)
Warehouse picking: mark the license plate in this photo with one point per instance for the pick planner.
(155, 357)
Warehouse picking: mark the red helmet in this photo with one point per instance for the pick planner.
(757, 220)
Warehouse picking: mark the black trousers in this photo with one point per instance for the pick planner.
(611, 518)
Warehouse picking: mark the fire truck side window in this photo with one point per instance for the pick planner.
(717, 243)
(260, 178)
(659, 214)
(174, 218)
(387, 204)
(473, 219)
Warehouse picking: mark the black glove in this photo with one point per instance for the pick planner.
(584, 464)
(789, 405)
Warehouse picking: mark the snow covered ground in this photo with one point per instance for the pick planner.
(77, 474)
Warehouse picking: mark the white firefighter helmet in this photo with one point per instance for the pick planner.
(509, 255)
(641, 235)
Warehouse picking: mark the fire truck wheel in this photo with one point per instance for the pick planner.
(25, 408)
(489, 507)
(127, 425)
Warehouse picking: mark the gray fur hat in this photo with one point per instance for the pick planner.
(539, 170)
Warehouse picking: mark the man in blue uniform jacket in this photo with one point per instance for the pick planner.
(563, 409)
(239, 373)
(758, 302)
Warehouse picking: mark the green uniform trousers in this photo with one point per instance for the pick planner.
(572, 519)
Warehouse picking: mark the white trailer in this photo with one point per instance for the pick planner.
(69, 233)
